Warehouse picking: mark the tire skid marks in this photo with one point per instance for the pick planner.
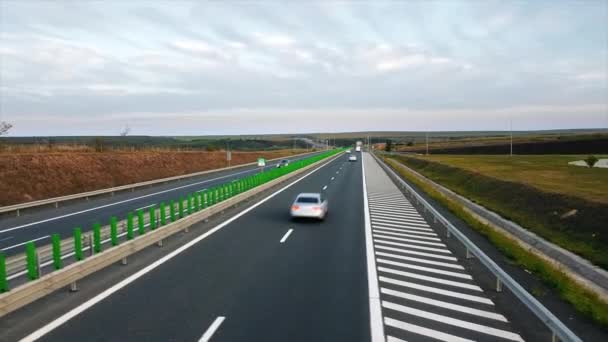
(424, 290)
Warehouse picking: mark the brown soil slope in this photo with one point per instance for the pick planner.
(30, 177)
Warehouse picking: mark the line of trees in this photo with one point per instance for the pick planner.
(5, 127)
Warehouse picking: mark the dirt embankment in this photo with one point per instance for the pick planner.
(30, 177)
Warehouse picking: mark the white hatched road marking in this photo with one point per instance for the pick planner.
(445, 305)
(453, 321)
(425, 269)
(404, 230)
(384, 231)
(407, 251)
(394, 208)
(431, 249)
(376, 223)
(430, 279)
(402, 222)
(438, 244)
(448, 293)
(422, 261)
(394, 339)
(416, 329)
(400, 216)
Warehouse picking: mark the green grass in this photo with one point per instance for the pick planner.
(583, 300)
(542, 212)
(550, 173)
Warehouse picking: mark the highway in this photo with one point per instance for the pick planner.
(374, 270)
(37, 225)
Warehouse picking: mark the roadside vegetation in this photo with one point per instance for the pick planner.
(583, 300)
(576, 223)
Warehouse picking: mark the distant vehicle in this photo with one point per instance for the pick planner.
(358, 148)
(283, 163)
(348, 151)
(352, 158)
(312, 205)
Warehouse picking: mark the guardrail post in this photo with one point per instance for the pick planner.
(197, 201)
(468, 254)
(78, 244)
(90, 238)
(130, 226)
(172, 210)
(140, 222)
(113, 231)
(97, 238)
(180, 206)
(57, 262)
(447, 232)
(32, 260)
(498, 285)
(3, 276)
(152, 217)
(163, 214)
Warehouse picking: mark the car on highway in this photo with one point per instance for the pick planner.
(311, 205)
(283, 163)
(348, 151)
(352, 158)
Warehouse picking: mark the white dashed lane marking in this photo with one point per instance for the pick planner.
(425, 292)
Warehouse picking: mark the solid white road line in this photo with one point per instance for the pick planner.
(453, 321)
(437, 244)
(23, 243)
(211, 330)
(286, 235)
(431, 279)
(431, 249)
(120, 202)
(382, 231)
(424, 269)
(108, 292)
(148, 206)
(445, 305)
(375, 309)
(423, 331)
(448, 293)
(418, 260)
(407, 251)
(404, 230)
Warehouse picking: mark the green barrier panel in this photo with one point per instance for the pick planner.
(197, 201)
(152, 218)
(180, 206)
(57, 262)
(32, 260)
(189, 204)
(140, 222)
(97, 238)
(3, 276)
(163, 214)
(114, 231)
(221, 190)
(78, 244)
(172, 210)
(130, 226)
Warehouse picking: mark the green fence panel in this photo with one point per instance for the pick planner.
(163, 214)
(172, 210)
(114, 231)
(189, 204)
(97, 238)
(197, 201)
(3, 275)
(130, 226)
(152, 217)
(204, 199)
(32, 261)
(78, 244)
(57, 262)
(140, 222)
(180, 206)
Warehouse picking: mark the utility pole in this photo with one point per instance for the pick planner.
(511, 134)
(427, 143)
(228, 153)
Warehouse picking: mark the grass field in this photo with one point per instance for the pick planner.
(550, 173)
(563, 204)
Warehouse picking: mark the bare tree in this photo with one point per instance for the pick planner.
(125, 131)
(5, 127)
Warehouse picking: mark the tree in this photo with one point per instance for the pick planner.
(389, 145)
(591, 160)
(5, 127)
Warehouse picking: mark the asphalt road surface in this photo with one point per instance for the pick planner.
(38, 225)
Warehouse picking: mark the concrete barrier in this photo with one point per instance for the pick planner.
(51, 282)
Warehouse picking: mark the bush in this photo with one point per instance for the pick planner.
(591, 160)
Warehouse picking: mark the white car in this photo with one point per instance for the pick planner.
(348, 151)
(352, 158)
(312, 205)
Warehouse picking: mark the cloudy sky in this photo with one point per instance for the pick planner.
(184, 68)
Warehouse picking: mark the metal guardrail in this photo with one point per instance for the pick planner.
(69, 275)
(558, 329)
(56, 200)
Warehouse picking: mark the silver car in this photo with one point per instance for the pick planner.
(312, 205)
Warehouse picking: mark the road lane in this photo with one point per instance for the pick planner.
(312, 288)
(40, 224)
